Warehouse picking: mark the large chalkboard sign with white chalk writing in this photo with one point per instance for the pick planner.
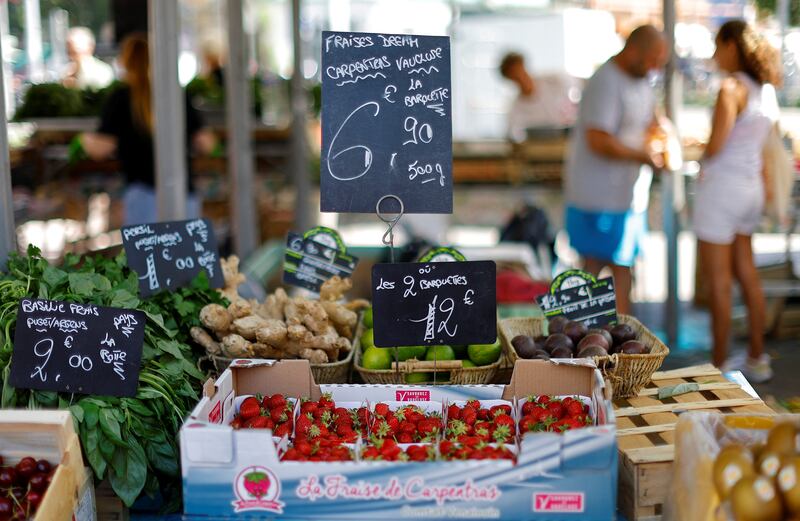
(77, 348)
(169, 255)
(580, 296)
(386, 123)
(434, 303)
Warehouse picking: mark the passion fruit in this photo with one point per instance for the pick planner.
(594, 339)
(575, 331)
(556, 324)
(556, 341)
(621, 333)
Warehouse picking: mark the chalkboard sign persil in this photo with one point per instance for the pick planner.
(434, 303)
(386, 123)
(168, 255)
(308, 263)
(78, 348)
(580, 296)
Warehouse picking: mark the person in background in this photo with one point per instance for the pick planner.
(83, 69)
(213, 61)
(610, 162)
(548, 101)
(126, 128)
(731, 190)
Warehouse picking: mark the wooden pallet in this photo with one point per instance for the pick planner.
(646, 433)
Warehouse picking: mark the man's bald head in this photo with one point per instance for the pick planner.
(645, 50)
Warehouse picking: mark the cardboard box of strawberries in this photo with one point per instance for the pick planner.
(266, 440)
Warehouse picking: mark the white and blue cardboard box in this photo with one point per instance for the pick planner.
(556, 476)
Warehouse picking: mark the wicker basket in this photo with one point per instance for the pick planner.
(457, 375)
(330, 373)
(628, 374)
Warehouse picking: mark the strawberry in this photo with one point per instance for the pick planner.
(484, 415)
(528, 424)
(454, 412)
(474, 404)
(249, 408)
(503, 434)
(389, 449)
(503, 419)
(381, 409)
(237, 422)
(303, 425)
(326, 402)
(455, 428)
(428, 428)
(407, 427)
(574, 409)
(500, 409)
(528, 407)
(277, 400)
(544, 399)
(469, 416)
(259, 422)
(405, 437)
(278, 415)
(309, 407)
(539, 413)
(282, 430)
(556, 409)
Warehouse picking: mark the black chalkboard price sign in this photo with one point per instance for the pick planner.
(78, 348)
(434, 303)
(169, 255)
(308, 263)
(580, 296)
(386, 123)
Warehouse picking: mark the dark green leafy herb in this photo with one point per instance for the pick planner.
(130, 441)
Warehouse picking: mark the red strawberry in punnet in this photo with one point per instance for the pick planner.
(249, 408)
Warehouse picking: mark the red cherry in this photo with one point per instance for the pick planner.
(38, 482)
(25, 468)
(6, 507)
(18, 493)
(34, 499)
(43, 466)
(8, 476)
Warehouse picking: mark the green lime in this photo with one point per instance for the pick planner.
(409, 352)
(416, 378)
(367, 339)
(377, 358)
(440, 352)
(467, 363)
(460, 351)
(368, 318)
(485, 354)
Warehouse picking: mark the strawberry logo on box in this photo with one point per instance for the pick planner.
(562, 502)
(257, 488)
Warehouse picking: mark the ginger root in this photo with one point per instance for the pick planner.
(232, 277)
(202, 338)
(248, 326)
(235, 346)
(240, 308)
(334, 288)
(216, 318)
(314, 356)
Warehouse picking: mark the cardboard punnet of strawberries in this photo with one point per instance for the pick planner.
(265, 438)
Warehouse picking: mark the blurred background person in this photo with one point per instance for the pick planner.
(84, 69)
(609, 168)
(126, 129)
(731, 192)
(549, 101)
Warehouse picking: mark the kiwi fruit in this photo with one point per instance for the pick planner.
(732, 464)
(561, 352)
(556, 341)
(632, 347)
(605, 334)
(556, 325)
(621, 333)
(754, 498)
(782, 439)
(524, 345)
(594, 339)
(592, 350)
(575, 331)
(769, 462)
(789, 484)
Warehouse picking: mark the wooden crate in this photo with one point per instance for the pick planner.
(646, 433)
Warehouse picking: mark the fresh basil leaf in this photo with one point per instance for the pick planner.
(172, 347)
(129, 485)
(119, 461)
(123, 298)
(110, 427)
(107, 448)
(163, 457)
(53, 276)
(94, 456)
(81, 284)
(77, 412)
(91, 414)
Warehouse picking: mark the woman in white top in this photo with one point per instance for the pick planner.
(731, 191)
